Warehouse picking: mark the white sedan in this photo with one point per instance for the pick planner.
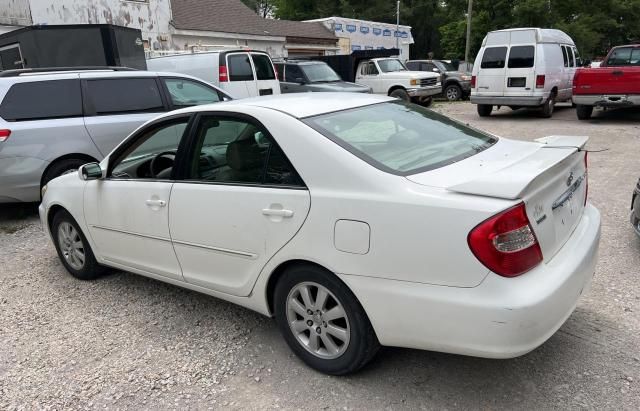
(355, 220)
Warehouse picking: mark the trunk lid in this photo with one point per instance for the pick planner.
(550, 176)
(607, 80)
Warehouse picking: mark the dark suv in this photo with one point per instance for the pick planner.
(300, 76)
(456, 84)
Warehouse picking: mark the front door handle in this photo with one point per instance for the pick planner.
(277, 212)
(156, 203)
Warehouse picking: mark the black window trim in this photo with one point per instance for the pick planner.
(165, 90)
(90, 111)
(178, 170)
(82, 108)
(192, 143)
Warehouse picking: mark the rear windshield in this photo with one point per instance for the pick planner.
(401, 138)
(624, 56)
(493, 57)
(239, 67)
(521, 56)
(264, 69)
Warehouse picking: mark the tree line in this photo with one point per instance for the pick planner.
(439, 26)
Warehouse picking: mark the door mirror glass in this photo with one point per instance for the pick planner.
(435, 70)
(91, 171)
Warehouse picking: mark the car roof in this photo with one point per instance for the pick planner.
(299, 105)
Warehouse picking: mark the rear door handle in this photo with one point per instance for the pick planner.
(156, 203)
(277, 212)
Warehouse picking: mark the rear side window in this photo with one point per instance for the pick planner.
(624, 56)
(127, 95)
(494, 58)
(564, 56)
(521, 56)
(42, 100)
(239, 67)
(264, 69)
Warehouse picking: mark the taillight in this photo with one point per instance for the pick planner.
(540, 81)
(4, 135)
(473, 81)
(586, 176)
(222, 74)
(506, 243)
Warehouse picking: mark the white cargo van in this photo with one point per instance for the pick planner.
(240, 73)
(525, 67)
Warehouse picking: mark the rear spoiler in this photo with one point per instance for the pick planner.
(513, 181)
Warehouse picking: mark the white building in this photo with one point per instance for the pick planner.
(178, 24)
(368, 35)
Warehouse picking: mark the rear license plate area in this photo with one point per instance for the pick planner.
(266, 92)
(516, 82)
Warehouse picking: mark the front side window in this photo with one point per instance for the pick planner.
(264, 69)
(521, 56)
(391, 65)
(293, 74)
(153, 154)
(371, 69)
(42, 100)
(320, 73)
(239, 67)
(577, 55)
(493, 58)
(124, 95)
(184, 93)
(401, 138)
(624, 56)
(413, 65)
(230, 150)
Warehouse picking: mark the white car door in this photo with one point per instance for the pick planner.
(241, 79)
(117, 106)
(239, 204)
(128, 211)
(266, 83)
(368, 75)
(491, 78)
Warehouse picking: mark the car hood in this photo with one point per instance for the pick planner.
(338, 86)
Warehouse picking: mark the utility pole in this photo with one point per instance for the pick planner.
(398, 25)
(468, 45)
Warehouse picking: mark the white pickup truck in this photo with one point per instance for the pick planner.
(390, 76)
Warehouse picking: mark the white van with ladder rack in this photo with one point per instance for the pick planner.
(524, 67)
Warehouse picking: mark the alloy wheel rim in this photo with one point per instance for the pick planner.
(452, 93)
(71, 245)
(318, 320)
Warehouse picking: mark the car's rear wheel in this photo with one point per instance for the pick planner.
(484, 110)
(62, 167)
(322, 321)
(73, 248)
(453, 92)
(584, 112)
(548, 106)
(401, 94)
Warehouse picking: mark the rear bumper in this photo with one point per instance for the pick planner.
(500, 318)
(508, 100)
(425, 91)
(20, 179)
(609, 100)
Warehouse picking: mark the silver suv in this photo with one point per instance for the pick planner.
(53, 121)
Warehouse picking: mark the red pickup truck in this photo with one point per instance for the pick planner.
(616, 83)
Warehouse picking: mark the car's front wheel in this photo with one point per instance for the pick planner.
(322, 321)
(453, 92)
(401, 94)
(73, 248)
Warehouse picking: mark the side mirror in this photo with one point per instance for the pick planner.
(435, 70)
(90, 171)
(300, 80)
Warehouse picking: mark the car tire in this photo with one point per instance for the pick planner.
(484, 110)
(401, 94)
(453, 92)
(548, 106)
(425, 102)
(335, 337)
(61, 167)
(514, 108)
(73, 248)
(584, 112)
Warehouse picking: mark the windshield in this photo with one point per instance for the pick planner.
(401, 138)
(390, 65)
(319, 73)
(446, 66)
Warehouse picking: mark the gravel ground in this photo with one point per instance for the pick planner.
(127, 342)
